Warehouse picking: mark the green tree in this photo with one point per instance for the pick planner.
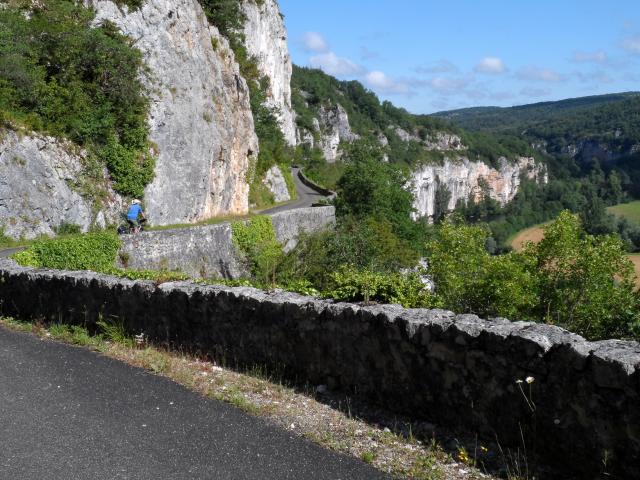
(371, 187)
(470, 280)
(62, 74)
(441, 201)
(586, 282)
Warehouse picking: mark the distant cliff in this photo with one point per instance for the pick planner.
(266, 40)
(332, 114)
(465, 181)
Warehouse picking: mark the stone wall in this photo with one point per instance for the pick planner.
(208, 250)
(456, 370)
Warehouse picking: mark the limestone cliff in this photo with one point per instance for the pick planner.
(465, 180)
(39, 187)
(276, 184)
(200, 117)
(266, 40)
(330, 129)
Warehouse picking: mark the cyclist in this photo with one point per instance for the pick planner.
(134, 214)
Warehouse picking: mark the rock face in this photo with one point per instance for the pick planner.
(37, 187)
(444, 141)
(587, 150)
(266, 40)
(331, 128)
(465, 179)
(275, 182)
(200, 116)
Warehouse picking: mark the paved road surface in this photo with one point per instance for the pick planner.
(306, 196)
(68, 413)
(9, 251)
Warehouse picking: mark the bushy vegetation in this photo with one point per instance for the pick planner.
(60, 75)
(350, 283)
(578, 281)
(368, 117)
(256, 240)
(94, 251)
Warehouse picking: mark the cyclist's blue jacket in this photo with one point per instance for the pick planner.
(134, 212)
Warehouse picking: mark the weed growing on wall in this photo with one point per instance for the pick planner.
(367, 285)
(256, 241)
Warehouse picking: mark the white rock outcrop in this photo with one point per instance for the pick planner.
(277, 185)
(334, 129)
(444, 141)
(266, 40)
(465, 180)
(38, 187)
(200, 117)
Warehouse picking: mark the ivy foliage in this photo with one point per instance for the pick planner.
(62, 76)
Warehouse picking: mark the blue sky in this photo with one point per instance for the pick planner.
(429, 55)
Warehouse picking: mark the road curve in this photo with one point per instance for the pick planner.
(307, 196)
(7, 252)
(70, 413)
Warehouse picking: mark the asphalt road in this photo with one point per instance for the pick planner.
(9, 251)
(68, 413)
(306, 196)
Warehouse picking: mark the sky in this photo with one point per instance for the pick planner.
(430, 55)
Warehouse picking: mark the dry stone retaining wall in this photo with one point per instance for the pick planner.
(208, 250)
(456, 370)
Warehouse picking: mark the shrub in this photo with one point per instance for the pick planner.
(62, 74)
(256, 241)
(94, 251)
(351, 284)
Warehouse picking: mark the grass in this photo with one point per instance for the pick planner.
(328, 420)
(325, 174)
(630, 211)
(209, 221)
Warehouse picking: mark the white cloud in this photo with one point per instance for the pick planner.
(379, 81)
(539, 74)
(590, 57)
(314, 42)
(446, 85)
(632, 44)
(441, 66)
(593, 77)
(333, 65)
(533, 92)
(490, 65)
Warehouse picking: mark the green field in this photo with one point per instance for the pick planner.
(630, 211)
